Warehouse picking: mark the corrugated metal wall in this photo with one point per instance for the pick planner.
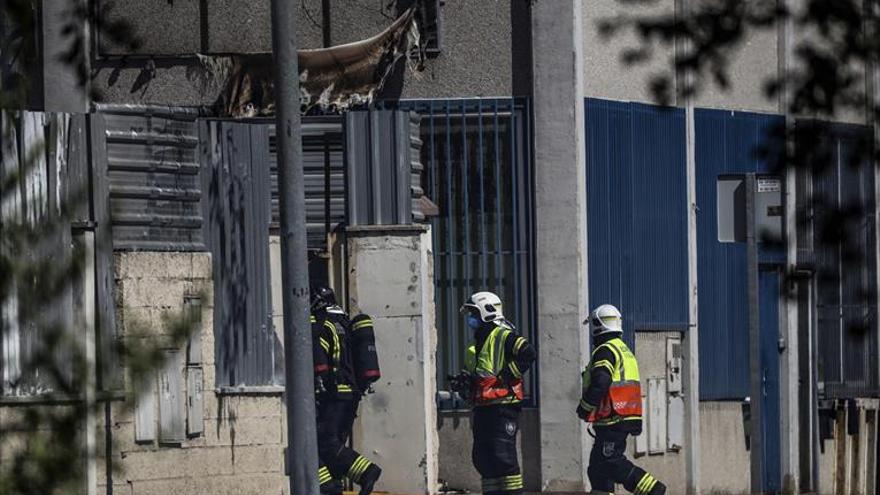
(324, 170)
(238, 212)
(152, 169)
(382, 154)
(39, 156)
(838, 181)
(726, 143)
(241, 177)
(637, 213)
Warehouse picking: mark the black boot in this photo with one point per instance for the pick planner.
(659, 489)
(369, 478)
(333, 487)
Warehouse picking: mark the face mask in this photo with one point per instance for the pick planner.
(473, 322)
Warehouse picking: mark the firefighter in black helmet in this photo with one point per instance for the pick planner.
(345, 365)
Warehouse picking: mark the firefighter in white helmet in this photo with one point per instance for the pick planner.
(612, 401)
(495, 364)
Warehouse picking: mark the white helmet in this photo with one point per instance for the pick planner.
(605, 319)
(487, 304)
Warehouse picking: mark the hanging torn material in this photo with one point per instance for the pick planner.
(332, 78)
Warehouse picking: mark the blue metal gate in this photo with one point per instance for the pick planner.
(768, 295)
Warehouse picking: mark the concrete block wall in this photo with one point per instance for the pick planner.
(241, 448)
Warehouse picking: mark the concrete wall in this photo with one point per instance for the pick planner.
(457, 471)
(560, 209)
(240, 450)
(477, 56)
(607, 76)
(751, 65)
(724, 460)
(390, 277)
(670, 466)
(801, 35)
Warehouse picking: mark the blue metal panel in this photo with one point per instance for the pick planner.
(637, 213)
(768, 294)
(727, 143)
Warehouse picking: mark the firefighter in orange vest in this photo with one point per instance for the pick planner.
(344, 370)
(612, 401)
(495, 364)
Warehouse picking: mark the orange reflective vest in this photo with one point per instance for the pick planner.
(624, 399)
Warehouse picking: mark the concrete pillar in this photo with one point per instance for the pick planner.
(789, 365)
(390, 277)
(560, 195)
(63, 90)
(691, 342)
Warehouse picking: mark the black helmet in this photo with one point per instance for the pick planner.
(322, 297)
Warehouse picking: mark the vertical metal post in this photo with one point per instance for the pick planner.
(756, 370)
(466, 205)
(515, 214)
(87, 320)
(453, 325)
(299, 391)
(874, 115)
(326, 24)
(484, 256)
(327, 199)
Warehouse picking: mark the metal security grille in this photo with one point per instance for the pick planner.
(838, 182)
(478, 170)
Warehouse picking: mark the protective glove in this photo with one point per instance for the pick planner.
(506, 378)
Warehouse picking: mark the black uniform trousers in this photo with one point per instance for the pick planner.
(609, 465)
(335, 419)
(495, 428)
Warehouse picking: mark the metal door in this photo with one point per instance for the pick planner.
(769, 295)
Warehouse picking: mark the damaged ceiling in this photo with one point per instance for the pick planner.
(331, 79)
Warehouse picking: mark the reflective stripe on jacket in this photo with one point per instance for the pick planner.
(331, 343)
(624, 399)
(486, 367)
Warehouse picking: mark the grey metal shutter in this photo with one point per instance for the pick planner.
(382, 152)
(324, 170)
(151, 156)
(237, 210)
